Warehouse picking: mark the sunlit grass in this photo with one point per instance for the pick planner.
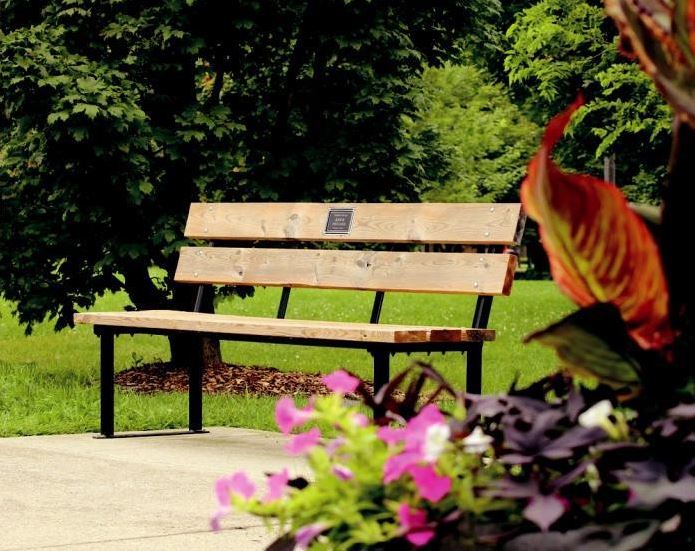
(49, 381)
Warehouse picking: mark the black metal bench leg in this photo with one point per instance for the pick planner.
(381, 376)
(474, 369)
(106, 339)
(381, 370)
(195, 387)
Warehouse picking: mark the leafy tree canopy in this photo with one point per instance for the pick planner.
(557, 47)
(486, 138)
(114, 116)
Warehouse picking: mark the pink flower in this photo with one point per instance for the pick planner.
(237, 483)
(360, 420)
(343, 473)
(334, 445)
(306, 534)
(425, 437)
(414, 524)
(303, 442)
(277, 484)
(397, 465)
(216, 518)
(428, 416)
(288, 416)
(391, 435)
(341, 382)
(429, 484)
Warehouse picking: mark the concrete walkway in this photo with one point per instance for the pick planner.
(77, 492)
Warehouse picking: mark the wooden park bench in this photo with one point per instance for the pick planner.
(489, 232)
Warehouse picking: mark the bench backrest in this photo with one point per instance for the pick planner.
(492, 227)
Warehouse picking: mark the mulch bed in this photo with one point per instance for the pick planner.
(222, 379)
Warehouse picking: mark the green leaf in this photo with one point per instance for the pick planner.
(146, 187)
(87, 108)
(594, 342)
(79, 133)
(57, 116)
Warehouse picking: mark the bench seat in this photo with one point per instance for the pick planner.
(168, 320)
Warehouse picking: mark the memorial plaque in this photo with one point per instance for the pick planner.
(339, 221)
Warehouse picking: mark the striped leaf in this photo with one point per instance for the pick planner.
(600, 251)
(661, 35)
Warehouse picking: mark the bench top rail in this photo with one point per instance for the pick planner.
(444, 223)
(464, 273)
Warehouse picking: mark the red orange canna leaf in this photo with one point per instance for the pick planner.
(600, 251)
(661, 35)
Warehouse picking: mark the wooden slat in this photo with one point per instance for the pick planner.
(452, 223)
(269, 327)
(468, 273)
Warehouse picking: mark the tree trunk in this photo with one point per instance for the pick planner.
(300, 54)
(174, 92)
(182, 353)
(676, 239)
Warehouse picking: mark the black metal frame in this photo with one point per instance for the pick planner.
(381, 353)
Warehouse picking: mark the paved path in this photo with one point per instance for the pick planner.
(77, 492)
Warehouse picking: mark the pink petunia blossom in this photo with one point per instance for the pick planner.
(303, 442)
(343, 473)
(341, 382)
(430, 485)
(397, 465)
(288, 416)
(414, 525)
(391, 435)
(277, 484)
(306, 534)
(216, 519)
(420, 538)
(360, 420)
(428, 416)
(237, 483)
(424, 436)
(334, 445)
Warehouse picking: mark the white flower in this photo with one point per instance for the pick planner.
(597, 415)
(436, 437)
(477, 441)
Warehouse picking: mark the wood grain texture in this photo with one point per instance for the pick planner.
(464, 273)
(448, 223)
(268, 327)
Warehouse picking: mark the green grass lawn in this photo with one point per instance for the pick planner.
(49, 381)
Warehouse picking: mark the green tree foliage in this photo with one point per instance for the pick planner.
(115, 115)
(557, 47)
(486, 138)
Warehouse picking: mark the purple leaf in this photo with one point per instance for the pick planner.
(683, 411)
(617, 537)
(512, 489)
(283, 543)
(544, 510)
(577, 437)
(650, 485)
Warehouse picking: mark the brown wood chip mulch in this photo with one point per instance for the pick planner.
(222, 378)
